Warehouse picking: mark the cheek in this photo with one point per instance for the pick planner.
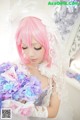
(41, 54)
(25, 52)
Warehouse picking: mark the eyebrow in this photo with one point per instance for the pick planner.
(32, 44)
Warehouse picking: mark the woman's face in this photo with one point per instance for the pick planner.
(35, 52)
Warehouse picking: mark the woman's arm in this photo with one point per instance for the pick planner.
(52, 110)
(53, 106)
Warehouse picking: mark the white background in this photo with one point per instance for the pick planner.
(8, 50)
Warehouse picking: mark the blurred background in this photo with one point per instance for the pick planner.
(67, 20)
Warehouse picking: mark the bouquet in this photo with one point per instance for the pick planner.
(21, 87)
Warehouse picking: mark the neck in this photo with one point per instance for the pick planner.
(32, 66)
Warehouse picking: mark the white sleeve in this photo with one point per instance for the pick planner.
(28, 109)
(40, 111)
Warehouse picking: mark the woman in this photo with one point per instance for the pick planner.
(36, 48)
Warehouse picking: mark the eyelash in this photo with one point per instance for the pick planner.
(38, 48)
(34, 48)
(24, 48)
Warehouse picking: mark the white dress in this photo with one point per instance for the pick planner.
(64, 112)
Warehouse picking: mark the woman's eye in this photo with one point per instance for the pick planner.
(38, 48)
(24, 48)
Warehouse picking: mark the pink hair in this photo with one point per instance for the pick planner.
(32, 27)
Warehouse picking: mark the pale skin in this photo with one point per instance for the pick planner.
(36, 52)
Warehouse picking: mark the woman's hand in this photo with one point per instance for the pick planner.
(23, 101)
(19, 108)
(28, 109)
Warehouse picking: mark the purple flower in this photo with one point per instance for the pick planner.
(0, 102)
(4, 67)
(25, 87)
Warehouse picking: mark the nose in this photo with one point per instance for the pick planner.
(31, 53)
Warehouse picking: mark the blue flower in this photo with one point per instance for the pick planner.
(15, 96)
(77, 77)
(29, 92)
(8, 86)
(2, 80)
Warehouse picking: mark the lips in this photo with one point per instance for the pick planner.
(33, 60)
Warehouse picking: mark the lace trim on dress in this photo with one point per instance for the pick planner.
(55, 80)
